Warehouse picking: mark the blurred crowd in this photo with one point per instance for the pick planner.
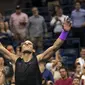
(22, 27)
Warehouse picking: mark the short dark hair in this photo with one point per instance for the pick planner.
(35, 7)
(65, 69)
(76, 78)
(82, 48)
(18, 7)
(77, 2)
(58, 6)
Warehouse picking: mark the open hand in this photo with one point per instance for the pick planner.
(67, 24)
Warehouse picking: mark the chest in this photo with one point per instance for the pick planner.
(36, 21)
(78, 15)
(26, 68)
(18, 18)
(65, 82)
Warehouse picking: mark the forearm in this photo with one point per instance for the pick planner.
(60, 40)
(49, 52)
(57, 44)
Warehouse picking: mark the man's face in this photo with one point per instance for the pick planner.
(82, 53)
(18, 11)
(59, 11)
(77, 6)
(63, 73)
(27, 46)
(35, 11)
(76, 81)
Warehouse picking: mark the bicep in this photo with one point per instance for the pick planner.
(9, 55)
(46, 54)
(49, 52)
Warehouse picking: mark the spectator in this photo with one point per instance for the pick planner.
(4, 28)
(78, 23)
(36, 28)
(18, 24)
(58, 55)
(77, 70)
(52, 65)
(56, 73)
(58, 20)
(65, 80)
(2, 78)
(11, 49)
(6, 71)
(81, 60)
(76, 81)
(55, 65)
(83, 75)
(47, 75)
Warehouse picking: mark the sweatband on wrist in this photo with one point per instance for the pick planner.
(63, 35)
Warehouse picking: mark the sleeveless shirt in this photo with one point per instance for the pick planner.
(27, 73)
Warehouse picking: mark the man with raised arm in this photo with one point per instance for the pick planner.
(26, 67)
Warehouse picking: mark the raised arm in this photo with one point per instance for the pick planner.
(49, 52)
(8, 54)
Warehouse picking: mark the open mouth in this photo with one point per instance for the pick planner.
(27, 51)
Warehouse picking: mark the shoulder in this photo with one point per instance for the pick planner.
(41, 17)
(13, 14)
(83, 10)
(70, 78)
(74, 11)
(24, 14)
(58, 81)
(31, 17)
(65, 16)
(18, 59)
(54, 17)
